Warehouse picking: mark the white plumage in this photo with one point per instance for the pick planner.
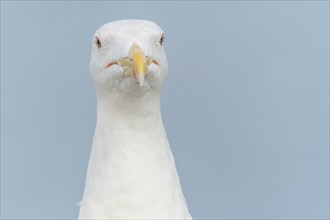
(131, 172)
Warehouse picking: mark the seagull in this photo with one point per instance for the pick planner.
(131, 172)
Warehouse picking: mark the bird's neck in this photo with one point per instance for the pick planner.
(134, 112)
(130, 128)
(127, 122)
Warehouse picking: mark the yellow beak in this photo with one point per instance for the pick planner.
(139, 63)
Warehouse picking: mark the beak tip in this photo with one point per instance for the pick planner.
(140, 79)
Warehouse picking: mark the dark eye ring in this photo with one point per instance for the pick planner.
(162, 39)
(98, 42)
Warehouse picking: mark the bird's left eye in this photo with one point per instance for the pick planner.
(162, 39)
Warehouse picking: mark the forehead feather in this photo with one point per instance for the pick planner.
(129, 27)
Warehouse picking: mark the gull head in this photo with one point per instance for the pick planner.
(128, 57)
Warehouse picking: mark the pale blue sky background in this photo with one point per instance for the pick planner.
(245, 105)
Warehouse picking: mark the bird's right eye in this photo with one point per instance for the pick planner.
(98, 42)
